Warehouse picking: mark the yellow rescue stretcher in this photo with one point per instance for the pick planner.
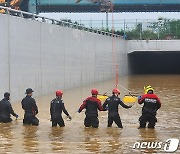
(129, 99)
(126, 99)
(102, 98)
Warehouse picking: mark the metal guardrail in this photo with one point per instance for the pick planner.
(32, 16)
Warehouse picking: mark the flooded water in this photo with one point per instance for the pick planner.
(74, 138)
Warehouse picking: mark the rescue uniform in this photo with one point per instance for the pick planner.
(31, 110)
(6, 110)
(56, 108)
(112, 104)
(92, 105)
(151, 105)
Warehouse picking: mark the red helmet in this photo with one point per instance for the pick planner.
(59, 93)
(116, 91)
(94, 92)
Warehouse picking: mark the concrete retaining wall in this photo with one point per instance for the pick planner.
(153, 45)
(47, 57)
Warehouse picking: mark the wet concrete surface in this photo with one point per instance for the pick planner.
(75, 138)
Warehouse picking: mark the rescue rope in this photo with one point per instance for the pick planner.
(130, 93)
(124, 88)
(131, 98)
(114, 63)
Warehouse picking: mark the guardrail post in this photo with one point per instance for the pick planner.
(33, 17)
(53, 21)
(20, 14)
(7, 11)
(43, 19)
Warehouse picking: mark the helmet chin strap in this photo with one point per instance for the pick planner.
(58, 97)
(116, 94)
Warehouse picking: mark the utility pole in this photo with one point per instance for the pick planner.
(106, 19)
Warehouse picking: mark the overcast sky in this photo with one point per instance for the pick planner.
(116, 16)
(121, 20)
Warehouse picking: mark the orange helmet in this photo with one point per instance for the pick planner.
(116, 91)
(94, 92)
(59, 93)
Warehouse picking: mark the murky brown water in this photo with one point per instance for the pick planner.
(74, 138)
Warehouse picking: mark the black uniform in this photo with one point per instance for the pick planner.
(31, 109)
(6, 110)
(92, 105)
(112, 104)
(56, 108)
(151, 105)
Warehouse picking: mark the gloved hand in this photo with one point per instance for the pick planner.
(70, 118)
(78, 111)
(107, 108)
(16, 116)
(139, 97)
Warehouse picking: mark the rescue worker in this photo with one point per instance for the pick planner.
(151, 105)
(111, 104)
(30, 108)
(92, 105)
(6, 109)
(56, 108)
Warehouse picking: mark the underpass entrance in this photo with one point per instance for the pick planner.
(154, 62)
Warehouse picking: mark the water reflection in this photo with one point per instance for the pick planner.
(74, 138)
(56, 137)
(114, 137)
(6, 137)
(30, 139)
(148, 135)
(91, 140)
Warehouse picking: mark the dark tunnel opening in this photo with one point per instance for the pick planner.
(154, 62)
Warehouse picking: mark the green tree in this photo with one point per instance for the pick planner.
(166, 27)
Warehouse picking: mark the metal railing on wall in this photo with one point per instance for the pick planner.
(27, 15)
(138, 29)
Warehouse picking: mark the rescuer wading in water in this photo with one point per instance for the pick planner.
(92, 105)
(151, 105)
(112, 104)
(56, 108)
